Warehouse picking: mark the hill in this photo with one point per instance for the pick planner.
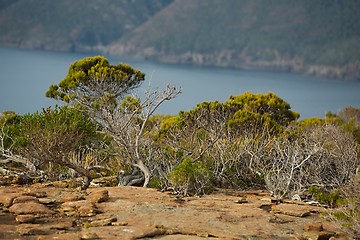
(67, 25)
(315, 37)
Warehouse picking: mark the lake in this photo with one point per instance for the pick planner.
(27, 74)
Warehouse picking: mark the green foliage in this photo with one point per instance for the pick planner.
(157, 182)
(224, 137)
(312, 122)
(190, 178)
(330, 198)
(250, 121)
(47, 137)
(131, 104)
(87, 76)
(268, 105)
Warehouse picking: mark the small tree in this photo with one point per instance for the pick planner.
(102, 91)
(47, 138)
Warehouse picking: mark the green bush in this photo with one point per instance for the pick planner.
(331, 198)
(157, 182)
(191, 178)
(48, 138)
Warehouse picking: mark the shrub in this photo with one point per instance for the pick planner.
(331, 198)
(347, 215)
(191, 178)
(48, 138)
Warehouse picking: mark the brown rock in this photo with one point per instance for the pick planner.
(291, 210)
(71, 197)
(47, 201)
(6, 199)
(313, 227)
(63, 225)
(98, 196)
(29, 208)
(281, 219)
(88, 235)
(82, 208)
(59, 184)
(119, 223)
(38, 194)
(103, 222)
(24, 199)
(242, 200)
(32, 229)
(87, 211)
(26, 218)
(323, 235)
(149, 213)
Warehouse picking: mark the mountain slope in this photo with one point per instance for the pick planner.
(318, 37)
(71, 25)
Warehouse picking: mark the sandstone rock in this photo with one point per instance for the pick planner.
(63, 225)
(88, 235)
(47, 201)
(98, 196)
(148, 213)
(323, 235)
(313, 227)
(26, 218)
(24, 199)
(38, 194)
(87, 211)
(32, 229)
(291, 210)
(119, 223)
(6, 199)
(58, 184)
(242, 200)
(103, 222)
(281, 219)
(29, 208)
(71, 197)
(82, 208)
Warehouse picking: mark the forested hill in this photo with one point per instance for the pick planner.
(314, 36)
(320, 37)
(71, 25)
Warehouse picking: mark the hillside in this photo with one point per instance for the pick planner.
(315, 37)
(67, 25)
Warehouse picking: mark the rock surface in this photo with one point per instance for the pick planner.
(140, 213)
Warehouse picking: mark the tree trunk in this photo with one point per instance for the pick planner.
(82, 171)
(145, 171)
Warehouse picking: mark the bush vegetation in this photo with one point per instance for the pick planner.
(248, 141)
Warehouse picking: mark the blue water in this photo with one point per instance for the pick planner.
(27, 74)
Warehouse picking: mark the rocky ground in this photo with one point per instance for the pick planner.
(56, 211)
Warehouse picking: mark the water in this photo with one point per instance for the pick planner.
(26, 75)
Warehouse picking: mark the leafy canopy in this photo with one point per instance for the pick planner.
(94, 80)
